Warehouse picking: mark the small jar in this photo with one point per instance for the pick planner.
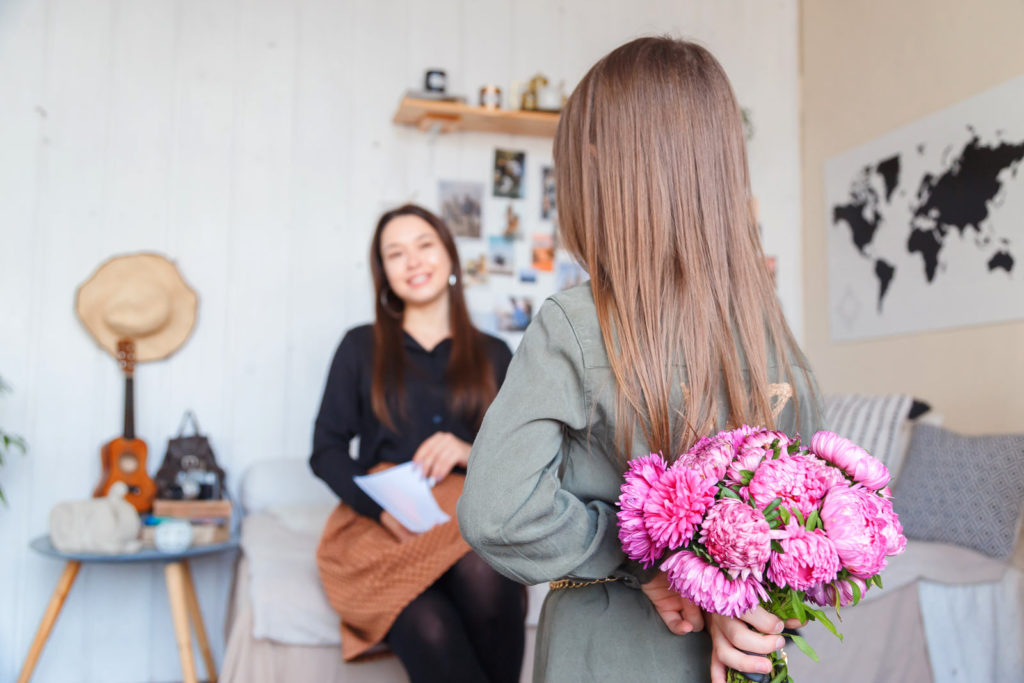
(490, 97)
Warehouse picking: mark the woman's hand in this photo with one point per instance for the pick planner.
(440, 453)
(679, 614)
(396, 528)
(729, 636)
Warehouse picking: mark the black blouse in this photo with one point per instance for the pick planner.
(346, 411)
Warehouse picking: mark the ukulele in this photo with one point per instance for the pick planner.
(124, 458)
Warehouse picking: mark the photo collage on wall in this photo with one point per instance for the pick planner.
(507, 234)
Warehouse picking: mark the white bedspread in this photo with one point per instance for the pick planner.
(975, 631)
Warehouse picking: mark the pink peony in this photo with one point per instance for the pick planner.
(850, 458)
(737, 536)
(710, 457)
(676, 504)
(825, 594)
(888, 524)
(808, 558)
(796, 479)
(636, 541)
(850, 517)
(711, 588)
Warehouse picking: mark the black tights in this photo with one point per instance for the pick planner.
(468, 626)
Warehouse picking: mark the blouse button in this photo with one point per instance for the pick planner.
(437, 419)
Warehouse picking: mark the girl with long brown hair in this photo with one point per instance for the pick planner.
(677, 334)
(414, 386)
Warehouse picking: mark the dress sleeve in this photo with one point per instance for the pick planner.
(513, 509)
(336, 424)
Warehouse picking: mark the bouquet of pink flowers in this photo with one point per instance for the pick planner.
(751, 517)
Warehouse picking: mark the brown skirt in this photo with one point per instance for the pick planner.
(369, 577)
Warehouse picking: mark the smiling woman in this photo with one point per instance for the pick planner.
(414, 386)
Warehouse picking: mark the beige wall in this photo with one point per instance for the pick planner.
(868, 67)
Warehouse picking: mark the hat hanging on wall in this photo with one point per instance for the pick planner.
(141, 297)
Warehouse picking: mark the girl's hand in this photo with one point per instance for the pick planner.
(396, 528)
(679, 614)
(440, 453)
(729, 637)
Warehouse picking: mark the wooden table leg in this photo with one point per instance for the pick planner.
(174, 573)
(197, 624)
(67, 578)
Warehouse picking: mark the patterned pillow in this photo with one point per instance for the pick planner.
(965, 490)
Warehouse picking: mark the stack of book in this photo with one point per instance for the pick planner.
(210, 519)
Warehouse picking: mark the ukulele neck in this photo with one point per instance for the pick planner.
(129, 408)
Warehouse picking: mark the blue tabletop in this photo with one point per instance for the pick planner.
(42, 544)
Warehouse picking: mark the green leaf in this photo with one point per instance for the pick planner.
(877, 578)
(856, 592)
(799, 517)
(772, 506)
(813, 519)
(746, 476)
(729, 493)
(779, 677)
(785, 514)
(777, 547)
(793, 447)
(805, 647)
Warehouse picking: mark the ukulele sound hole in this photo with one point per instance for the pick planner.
(128, 463)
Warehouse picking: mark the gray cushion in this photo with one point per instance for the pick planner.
(967, 490)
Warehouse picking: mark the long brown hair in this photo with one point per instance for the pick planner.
(470, 374)
(654, 199)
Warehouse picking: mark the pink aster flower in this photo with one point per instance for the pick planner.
(794, 478)
(764, 438)
(825, 594)
(711, 588)
(676, 505)
(737, 537)
(748, 459)
(808, 558)
(739, 435)
(851, 458)
(849, 515)
(636, 541)
(710, 457)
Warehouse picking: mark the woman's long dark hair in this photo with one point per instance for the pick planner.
(470, 375)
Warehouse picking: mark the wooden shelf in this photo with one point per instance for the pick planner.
(447, 117)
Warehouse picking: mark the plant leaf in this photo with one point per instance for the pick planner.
(729, 493)
(813, 519)
(805, 647)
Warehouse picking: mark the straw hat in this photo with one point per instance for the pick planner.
(141, 297)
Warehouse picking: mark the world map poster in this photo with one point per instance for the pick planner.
(926, 224)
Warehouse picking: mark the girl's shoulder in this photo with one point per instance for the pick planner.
(575, 313)
(357, 341)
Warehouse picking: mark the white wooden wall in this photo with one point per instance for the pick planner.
(250, 141)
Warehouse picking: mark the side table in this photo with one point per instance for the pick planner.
(180, 591)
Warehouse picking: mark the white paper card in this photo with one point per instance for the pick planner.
(405, 493)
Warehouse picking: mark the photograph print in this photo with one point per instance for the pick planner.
(509, 167)
(461, 204)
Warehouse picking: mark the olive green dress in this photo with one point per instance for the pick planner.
(540, 498)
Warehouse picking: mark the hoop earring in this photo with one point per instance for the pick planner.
(385, 295)
(452, 280)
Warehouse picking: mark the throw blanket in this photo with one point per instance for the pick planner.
(873, 422)
(369, 577)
